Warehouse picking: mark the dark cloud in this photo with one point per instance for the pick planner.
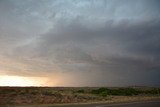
(112, 43)
(129, 52)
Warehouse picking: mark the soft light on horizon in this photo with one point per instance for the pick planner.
(22, 81)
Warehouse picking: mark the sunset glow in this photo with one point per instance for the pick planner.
(22, 81)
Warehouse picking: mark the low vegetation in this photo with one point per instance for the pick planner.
(126, 91)
(50, 95)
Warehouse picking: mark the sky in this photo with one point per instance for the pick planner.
(80, 42)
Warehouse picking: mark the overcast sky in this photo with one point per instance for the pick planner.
(82, 42)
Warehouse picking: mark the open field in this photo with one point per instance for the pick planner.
(66, 95)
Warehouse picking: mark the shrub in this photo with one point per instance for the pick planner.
(48, 92)
(80, 91)
(104, 94)
(101, 92)
(118, 91)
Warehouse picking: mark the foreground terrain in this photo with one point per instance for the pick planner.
(133, 104)
(67, 95)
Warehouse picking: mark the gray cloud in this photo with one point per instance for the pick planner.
(112, 43)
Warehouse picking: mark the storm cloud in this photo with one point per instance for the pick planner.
(89, 42)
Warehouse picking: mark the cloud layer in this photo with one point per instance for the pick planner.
(82, 43)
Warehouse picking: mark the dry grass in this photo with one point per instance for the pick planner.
(61, 95)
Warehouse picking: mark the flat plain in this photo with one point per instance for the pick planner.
(63, 96)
